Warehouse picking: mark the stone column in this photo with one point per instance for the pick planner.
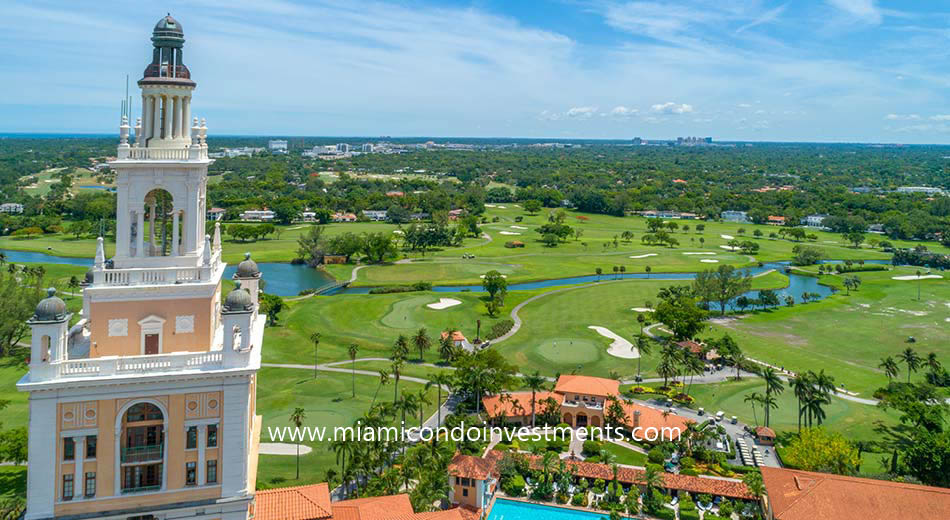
(156, 117)
(139, 232)
(186, 116)
(192, 236)
(79, 474)
(151, 230)
(140, 139)
(176, 117)
(202, 465)
(175, 245)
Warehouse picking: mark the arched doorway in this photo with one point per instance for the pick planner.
(581, 420)
(142, 448)
(163, 224)
(568, 419)
(595, 421)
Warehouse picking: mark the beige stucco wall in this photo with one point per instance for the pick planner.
(181, 407)
(202, 309)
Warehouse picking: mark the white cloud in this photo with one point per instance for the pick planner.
(581, 112)
(744, 105)
(622, 111)
(766, 17)
(940, 117)
(902, 117)
(672, 108)
(863, 10)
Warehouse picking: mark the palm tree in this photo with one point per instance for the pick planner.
(694, 366)
(910, 358)
(422, 342)
(396, 368)
(439, 380)
(933, 363)
(918, 285)
(315, 339)
(773, 385)
(652, 478)
(768, 403)
(802, 385)
(890, 368)
(352, 351)
(643, 348)
(813, 407)
(754, 398)
(400, 348)
(408, 404)
(446, 347)
(535, 382)
(648, 269)
(383, 381)
(297, 418)
(422, 399)
(641, 319)
(342, 447)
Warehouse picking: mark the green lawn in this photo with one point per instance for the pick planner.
(856, 421)
(327, 403)
(408, 369)
(847, 335)
(17, 412)
(626, 455)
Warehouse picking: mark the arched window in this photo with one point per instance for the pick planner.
(45, 348)
(236, 338)
(159, 207)
(142, 412)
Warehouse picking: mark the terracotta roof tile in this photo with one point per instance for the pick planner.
(650, 417)
(294, 503)
(517, 404)
(804, 495)
(373, 508)
(469, 466)
(599, 386)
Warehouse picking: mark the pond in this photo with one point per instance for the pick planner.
(285, 279)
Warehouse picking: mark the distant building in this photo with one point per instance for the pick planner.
(394, 194)
(215, 214)
(11, 207)
(637, 141)
(740, 217)
(308, 216)
(375, 215)
(815, 221)
(343, 148)
(367, 148)
(921, 189)
(343, 217)
(668, 214)
(277, 145)
(774, 220)
(861, 189)
(262, 215)
(876, 228)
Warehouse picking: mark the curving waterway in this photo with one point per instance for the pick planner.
(285, 279)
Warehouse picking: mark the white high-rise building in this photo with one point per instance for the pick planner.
(145, 407)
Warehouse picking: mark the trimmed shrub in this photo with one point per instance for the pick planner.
(688, 462)
(579, 500)
(514, 486)
(592, 448)
(665, 514)
(499, 329)
(562, 498)
(689, 515)
(599, 486)
(690, 472)
(687, 504)
(725, 508)
(656, 456)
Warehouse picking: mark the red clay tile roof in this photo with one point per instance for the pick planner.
(599, 386)
(764, 431)
(651, 417)
(517, 404)
(373, 508)
(456, 335)
(693, 347)
(469, 466)
(294, 503)
(448, 514)
(804, 495)
(713, 486)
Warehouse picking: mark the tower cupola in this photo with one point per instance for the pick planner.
(168, 41)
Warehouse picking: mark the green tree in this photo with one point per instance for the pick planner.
(532, 206)
(534, 382)
(422, 342)
(889, 366)
(495, 284)
(911, 359)
(353, 350)
(297, 418)
(315, 340)
(816, 449)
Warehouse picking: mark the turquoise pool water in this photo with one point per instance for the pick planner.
(511, 510)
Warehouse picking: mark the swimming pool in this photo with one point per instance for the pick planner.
(511, 510)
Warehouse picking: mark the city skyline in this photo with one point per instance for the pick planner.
(836, 70)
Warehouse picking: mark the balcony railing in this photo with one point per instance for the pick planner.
(149, 453)
(139, 364)
(138, 153)
(141, 489)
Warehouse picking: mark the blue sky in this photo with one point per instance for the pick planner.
(823, 70)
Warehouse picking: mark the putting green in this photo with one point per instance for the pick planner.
(569, 351)
(403, 313)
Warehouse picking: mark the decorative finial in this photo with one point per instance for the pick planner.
(247, 255)
(50, 292)
(100, 253)
(217, 236)
(206, 255)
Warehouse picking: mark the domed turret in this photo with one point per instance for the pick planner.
(51, 308)
(89, 277)
(167, 67)
(238, 300)
(247, 268)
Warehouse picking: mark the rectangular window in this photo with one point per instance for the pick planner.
(212, 475)
(67, 487)
(90, 484)
(91, 446)
(465, 482)
(212, 435)
(191, 474)
(192, 438)
(464, 492)
(69, 448)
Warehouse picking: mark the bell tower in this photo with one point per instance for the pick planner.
(144, 405)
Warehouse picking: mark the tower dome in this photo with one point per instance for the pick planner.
(247, 268)
(168, 40)
(238, 300)
(51, 308)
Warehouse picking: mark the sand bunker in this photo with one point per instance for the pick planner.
(444, 303)
(508, 233)
(489, 205)
(641, 309)
(730, 248)
(501, 207)
(282, 448)
(915, 277)
(709, 261)
(697, 253)
(619, 347)
(643, 256)
(503, 276)
(518, 227)
(727, 237)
